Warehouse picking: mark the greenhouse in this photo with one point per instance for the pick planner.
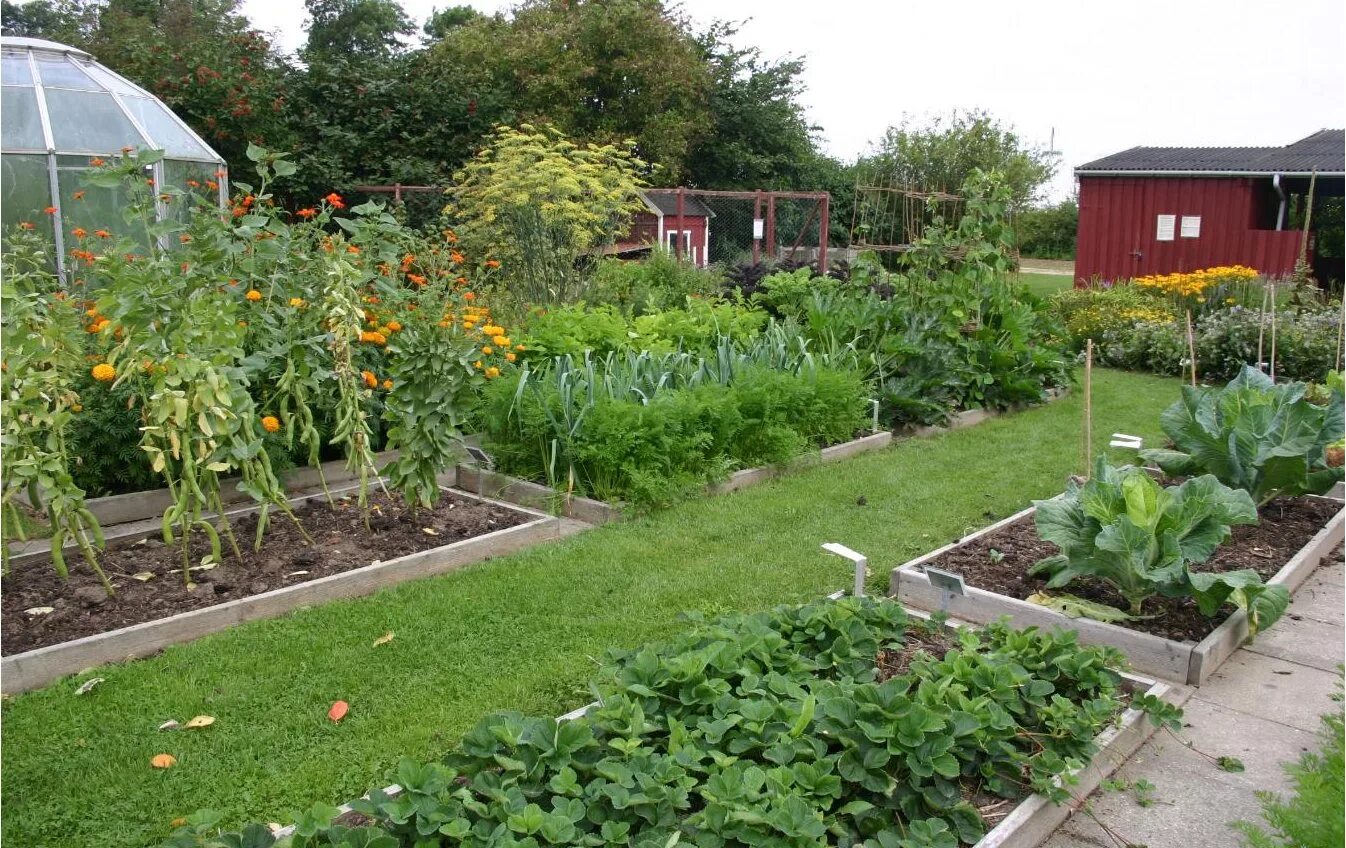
(61, 109)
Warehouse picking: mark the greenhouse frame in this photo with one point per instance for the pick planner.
(62, 109)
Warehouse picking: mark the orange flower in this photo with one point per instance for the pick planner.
(184, 238)
(374, 338)
(456, 256)
(25, 225)
(193, 184)
(388, 385)
(488, 350)
(50, 210)
(221, 173)
(97, 162)
(370, 380)
(271, 423)
(104, 373)
(253, 295)
(492, 263)
(503, 341)
(102, 234)
(417, 279)
(79, 195)
(307, 213)
(350, 248)
(395, 326)
(297, 302)
(509, 357)
(212, 185)
(469, 296)
(451, 237)
(492, 372)
(519, 347)
(335, 200)
(79, 232)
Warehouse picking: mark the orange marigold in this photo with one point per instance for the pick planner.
(492, 263)
(104, 373)
(488, 350)
(373, 337)
(388, 385)
(395, 326)
(253, 295)
(271, 423)
(509, 357)
(370, 380)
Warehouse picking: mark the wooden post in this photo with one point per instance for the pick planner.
(1273, 330)
(1088, 408)
(1261, 328)
(677, 238)
(822, 235)
(771, 226)
(1191, 347)
(756, 216)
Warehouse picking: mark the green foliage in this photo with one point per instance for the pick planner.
(942, 153)
(1047, 232)
(358, 29)
(1313, 817)
(774, 729)
(697, 327)
(1123, 528)
(658, 283)
(1253, 434)
(1090, 313)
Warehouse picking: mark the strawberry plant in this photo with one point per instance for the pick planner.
(773, 729)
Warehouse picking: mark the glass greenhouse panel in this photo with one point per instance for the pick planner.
(59, 72)
(165, 132)
(21, 128)
(181, 175)
(89, 121)
(112, 82)
(14, 69)
(25, 190)
(96, 209)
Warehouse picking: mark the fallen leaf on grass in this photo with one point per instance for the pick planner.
(162, 761)
(171, 724)
(384, 639)
(200, 721)
(338, 711)
(143, 576)
(88, 685)
(40, 610)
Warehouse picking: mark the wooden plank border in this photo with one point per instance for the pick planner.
(1184, 662)
(40, 666)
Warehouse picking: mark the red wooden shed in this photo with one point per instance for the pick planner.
(1160, 210)
(657, 224)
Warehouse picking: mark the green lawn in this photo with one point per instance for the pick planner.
(1044, 285)
(518, 633)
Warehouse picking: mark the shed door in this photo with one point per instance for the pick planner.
(689, 250)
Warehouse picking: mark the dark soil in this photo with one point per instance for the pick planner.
(341, 543)
(893, 662)
(1286, 526)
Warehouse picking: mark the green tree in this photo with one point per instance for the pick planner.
(1047, 232)
(64, 21)
(600, 70)
(942, 153)
(356, 30)
(444, 21)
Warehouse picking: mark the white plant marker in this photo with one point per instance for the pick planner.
(948, 584)
(874, 405)
(861, 564)
(1122, 440)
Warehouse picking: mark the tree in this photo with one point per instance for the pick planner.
(65, 21)
(539, 203)
(942, 153)
(1048, 232)
(600, 70)
(355, 30)
(758, 137)
(444, 21)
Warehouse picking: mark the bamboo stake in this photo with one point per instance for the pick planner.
(1341, 335)
(1273, 331)
(1088, 408)
(1191, 346)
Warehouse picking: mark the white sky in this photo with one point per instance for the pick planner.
(1105, 76)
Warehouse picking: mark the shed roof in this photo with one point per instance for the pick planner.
(667, 204)
(1324, 152)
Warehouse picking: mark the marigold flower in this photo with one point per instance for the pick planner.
(298, 302)
(492, 263)
(394, 326)
(350, 248)
(307, 213)
(335, 200)
(193, 184)
(469, 296)
(456, 257)
(271, 423)
(488, 350)
(104, 373)
(102, 234)
(374, 338)
(509, 357)
(492, 372)
(79, 232)
(519, 347)
(477, 365)
(502, 341)
(388, 385)
(370, 380)
(253, 295)
(417, 279)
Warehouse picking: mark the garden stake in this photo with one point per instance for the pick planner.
(1191, 346)
(1273, 330)
(1261, 329)
(1088, 406)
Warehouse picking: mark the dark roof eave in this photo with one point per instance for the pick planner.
(1124, 172)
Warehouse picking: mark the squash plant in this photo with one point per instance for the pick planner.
(43, 351)
(1254, 434)
(1123, 528)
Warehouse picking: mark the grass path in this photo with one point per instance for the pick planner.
(515, 633)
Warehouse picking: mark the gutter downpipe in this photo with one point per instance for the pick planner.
(1280, 192)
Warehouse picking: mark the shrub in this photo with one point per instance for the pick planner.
(658, 283)
(696, 326)
(1048, 232)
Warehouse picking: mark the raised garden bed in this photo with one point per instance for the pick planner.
(1022, 824)
(154, 608)
(1178, 643)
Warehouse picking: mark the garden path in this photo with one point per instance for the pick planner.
(1262, 706)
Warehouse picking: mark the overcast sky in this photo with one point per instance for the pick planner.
(1104, 76)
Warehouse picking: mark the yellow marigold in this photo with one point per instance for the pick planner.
(519, 347)
(388, 385)
(253, 295)
(271, 423)
(492, 372)
(488, 350)
(373, 337)
(502, 341)
(297, 302)
(394, 326)
(509, 357)
(104, 373)
(370, 380)
(477, 365)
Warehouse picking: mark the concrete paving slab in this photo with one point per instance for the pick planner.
(1271, 688)
(1323, 597)
(1262, 746)
(1305, 641)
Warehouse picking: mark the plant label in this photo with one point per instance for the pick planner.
(1122, 440)
(480, 457)
(950, 585)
